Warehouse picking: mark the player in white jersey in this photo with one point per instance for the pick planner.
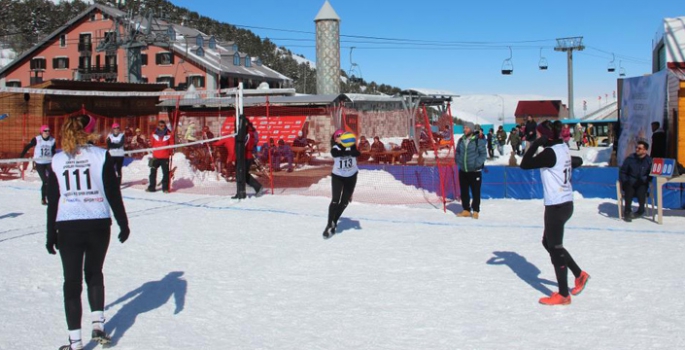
(556, 164)
(115, 147)
(344, 179)
(43, 150)
(82, 188)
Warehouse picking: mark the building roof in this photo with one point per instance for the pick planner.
(326, 13)
(280, 100)
(548, 108)
(218, 60)
(61, 84)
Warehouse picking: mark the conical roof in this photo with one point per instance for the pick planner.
(326, 13)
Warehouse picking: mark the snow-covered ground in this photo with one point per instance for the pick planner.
(208, 272)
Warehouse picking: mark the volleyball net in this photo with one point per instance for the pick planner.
(404, 160)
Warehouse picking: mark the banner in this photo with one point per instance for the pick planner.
(643, 101)
(285, 128)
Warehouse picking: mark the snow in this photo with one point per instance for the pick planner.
(6, 56)
(208, 272)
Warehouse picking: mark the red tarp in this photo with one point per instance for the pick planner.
(285, 128)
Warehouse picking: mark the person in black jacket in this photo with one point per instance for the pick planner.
(82, 189)
(343, 180)
(531, 133)
(658, 141)
(635, 179)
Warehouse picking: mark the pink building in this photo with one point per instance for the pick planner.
(184, 56)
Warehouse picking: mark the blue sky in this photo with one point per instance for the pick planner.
(438, 40)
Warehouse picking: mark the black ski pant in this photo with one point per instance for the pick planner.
(118, 164)
(342, 191)
(556, 217)
(44, 171)
(82, 252)
(470, 181)
(638, 190)
(156, 163)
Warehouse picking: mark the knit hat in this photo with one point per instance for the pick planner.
(545, 131)
(44, 127)
(469, 125)
(115, 125)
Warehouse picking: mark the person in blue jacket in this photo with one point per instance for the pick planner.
(635, 179)
(470, 157)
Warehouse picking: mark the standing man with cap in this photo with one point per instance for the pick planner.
(470, 155)
(115, 147)
(160, 158)
(43, 150)
(531, 132)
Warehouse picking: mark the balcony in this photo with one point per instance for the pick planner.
(85, 47)
(108, 73)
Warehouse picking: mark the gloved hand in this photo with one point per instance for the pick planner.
(51, 242)
(123, 234)
(540, 141)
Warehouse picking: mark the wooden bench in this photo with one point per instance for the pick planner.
(7, 168)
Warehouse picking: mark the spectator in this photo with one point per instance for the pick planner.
(206, 133)
(284, 153)
(128, 134)
(115, 145)
(531, 126)
(522, 135)
(43, 149)
(490, 137)
(635, 179)
(79, 224)
(470, 157)
(378, 148)
(160, 158)
(190, 132)
(446, 136)
(138, 140)
(223, 153)
(364, 144)
(515, 141)
(590, 131)
(566, 135)
(301, 140)
(267, 152)
(578, 135)
(501, 140)
(658, 141)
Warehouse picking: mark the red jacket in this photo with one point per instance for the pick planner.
(250, 143)
(157, 141)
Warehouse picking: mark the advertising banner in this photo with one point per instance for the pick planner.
(643, 102)
(278, 128)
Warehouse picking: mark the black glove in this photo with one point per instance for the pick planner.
(540, 141)
(123, 234)
(51, 242)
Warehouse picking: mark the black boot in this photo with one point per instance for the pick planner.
(101, 337)
(327, 232)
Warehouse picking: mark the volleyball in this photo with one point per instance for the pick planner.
(348, 139)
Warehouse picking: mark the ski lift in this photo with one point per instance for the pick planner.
(621, 70)
(543, 62)
(612, 66)
(507, 65)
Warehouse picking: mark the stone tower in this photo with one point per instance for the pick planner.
(327, 51)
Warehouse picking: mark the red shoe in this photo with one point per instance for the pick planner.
(581, 281)
(556, 299)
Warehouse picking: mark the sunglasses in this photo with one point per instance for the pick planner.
(46, 130)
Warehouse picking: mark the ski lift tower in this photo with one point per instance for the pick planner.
(568, 45)
(134, 34)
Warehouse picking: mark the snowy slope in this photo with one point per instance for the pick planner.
(207, 272)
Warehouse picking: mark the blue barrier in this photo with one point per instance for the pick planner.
(516, 183)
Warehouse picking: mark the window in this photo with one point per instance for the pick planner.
(234, 47)
(248, 61)
(258, 62)
(166, 79)
(165, 58)
(105, 16)
(13, 83)
(199, 41)
(143, 59)
(110, 37)
(111, 61)
(212, 43)
(60, 63)
(143, 79)
(200, 52)
(63, 40)
(84, 62)
(197, 80)
(236, 59)
(38, 63)
(92, 16)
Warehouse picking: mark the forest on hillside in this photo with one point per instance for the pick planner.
(26, 22)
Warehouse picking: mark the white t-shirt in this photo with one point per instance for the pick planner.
(556, 181)
(117, 151)
(43, 150)
(344, 166)
(82, 191)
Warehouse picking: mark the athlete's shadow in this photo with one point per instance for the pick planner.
(526, 271)
(345, 224)
(147, 297)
